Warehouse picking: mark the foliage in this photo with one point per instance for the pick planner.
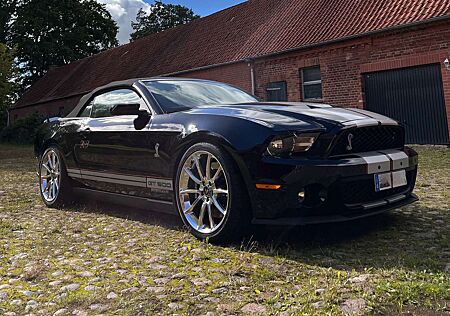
(7, 11)
(7, 85)
(53, 33)
(161, 17)
(23, 131)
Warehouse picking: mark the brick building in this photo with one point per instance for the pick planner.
(386, 56)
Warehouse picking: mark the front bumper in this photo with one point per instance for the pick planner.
(334, 190)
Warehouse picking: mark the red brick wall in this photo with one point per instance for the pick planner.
(343, 64)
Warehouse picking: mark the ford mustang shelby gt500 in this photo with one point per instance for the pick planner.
(222, 159)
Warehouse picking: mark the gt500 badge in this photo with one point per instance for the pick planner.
(159, 184)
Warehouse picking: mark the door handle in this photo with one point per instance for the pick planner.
(84, 133)
(85, 130)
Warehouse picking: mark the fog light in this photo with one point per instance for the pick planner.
(301, 196)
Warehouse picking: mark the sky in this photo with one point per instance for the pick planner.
(124, 11)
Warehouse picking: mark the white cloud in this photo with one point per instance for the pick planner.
(124, 12)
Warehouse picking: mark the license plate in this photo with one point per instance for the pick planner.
(389, 180)
(399, 179)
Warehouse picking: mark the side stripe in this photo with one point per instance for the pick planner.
(74, 171)
(117, 181)
(136, 181)
(113, 176)
(74, 175)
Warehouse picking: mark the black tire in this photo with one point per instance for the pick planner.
(237, 219)
(64, 195)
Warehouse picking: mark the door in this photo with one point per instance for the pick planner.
(113, 155)
(413, 96)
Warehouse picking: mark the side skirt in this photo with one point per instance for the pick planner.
(133, 201)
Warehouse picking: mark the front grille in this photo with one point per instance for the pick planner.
(370, 138)
(363, 191)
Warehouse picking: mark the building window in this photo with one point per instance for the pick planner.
(312, 83)
(277, 91)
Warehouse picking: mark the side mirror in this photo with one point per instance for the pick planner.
(142, 120)
(125, 109)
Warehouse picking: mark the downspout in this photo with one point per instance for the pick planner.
(251, 64)
(8, 122)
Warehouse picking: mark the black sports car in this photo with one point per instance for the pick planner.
(223, 160)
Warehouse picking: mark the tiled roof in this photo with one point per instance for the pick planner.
(251, 29)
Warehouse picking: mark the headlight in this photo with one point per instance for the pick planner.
(292, 144)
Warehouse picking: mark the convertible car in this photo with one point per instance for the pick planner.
(223, 160)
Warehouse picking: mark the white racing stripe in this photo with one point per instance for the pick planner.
(376, 162)
(362, 123)
(113, 176)
(74, 173)
(399, 159)
(383, 120)
(385, 160)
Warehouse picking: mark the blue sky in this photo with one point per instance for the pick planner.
(203, 7)
(124, 11)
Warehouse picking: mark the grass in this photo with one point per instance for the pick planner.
(123, 261)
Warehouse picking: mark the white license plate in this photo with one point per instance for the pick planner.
(389, 180)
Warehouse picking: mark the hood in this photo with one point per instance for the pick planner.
(297, 115)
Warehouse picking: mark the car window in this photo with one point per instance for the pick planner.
(87, 111)
(102, 104)
(179, 95)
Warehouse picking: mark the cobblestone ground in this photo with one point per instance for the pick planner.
(102, 259)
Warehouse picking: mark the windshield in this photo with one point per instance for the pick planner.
(178, 95)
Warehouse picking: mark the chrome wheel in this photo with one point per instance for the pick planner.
(203, 192)
(50, 176)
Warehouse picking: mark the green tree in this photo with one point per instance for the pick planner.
(161, 17)
(7, 12)
(7, 84)
(56, 32)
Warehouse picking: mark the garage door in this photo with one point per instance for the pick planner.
(413, 96)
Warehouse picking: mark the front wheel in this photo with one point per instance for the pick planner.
(210, 194)
(55, 186)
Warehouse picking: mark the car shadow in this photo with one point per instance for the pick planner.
(131, 213)
(389, 240)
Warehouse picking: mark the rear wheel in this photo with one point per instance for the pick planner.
(211, 197)
(55, 186)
